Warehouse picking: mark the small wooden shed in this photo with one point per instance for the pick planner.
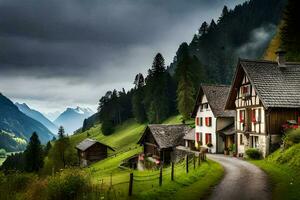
(90, 150)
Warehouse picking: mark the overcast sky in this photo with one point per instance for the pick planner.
(63, 53)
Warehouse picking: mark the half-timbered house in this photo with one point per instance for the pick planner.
(212, 123)
(264, 94)
(159, 141)
(90, 150)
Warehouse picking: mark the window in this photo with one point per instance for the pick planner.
(259, 115)
(242, 116)
(205, 106)
(201, 121)
(246, 90)
(241, 139)
(207, 138)
(253, 115)
(199, 138)
(208, 121)
(254, 141)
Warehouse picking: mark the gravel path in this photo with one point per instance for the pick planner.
(242, 181)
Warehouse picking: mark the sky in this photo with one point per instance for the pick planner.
(66, 53)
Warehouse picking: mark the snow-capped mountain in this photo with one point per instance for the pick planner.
(72, 118)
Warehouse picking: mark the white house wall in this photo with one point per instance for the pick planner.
(205, 129)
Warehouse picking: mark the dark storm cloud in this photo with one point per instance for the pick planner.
(95, 43)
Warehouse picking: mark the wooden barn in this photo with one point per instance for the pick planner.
(264, 94)
(90, 150)
(159, 141)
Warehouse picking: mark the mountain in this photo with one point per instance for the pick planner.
(52, 115)
(244, 31)
(72, 118)
(34, 114)
(19, 125)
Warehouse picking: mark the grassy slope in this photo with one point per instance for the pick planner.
(124, 140)
(2, 160)
(283, 169)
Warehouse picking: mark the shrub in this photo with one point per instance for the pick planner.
(291, 138)
(2, 153)
(67, 185)
(253, 153)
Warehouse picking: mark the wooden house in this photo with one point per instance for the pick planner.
(213, 125)
(90, 150)
(189, 139)
(159, 141)
(264, 94)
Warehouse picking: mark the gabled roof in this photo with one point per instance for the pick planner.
(228, 130)
(216, 96)
(275, 86)
(87, 143)
(190, 135)
(166, 136)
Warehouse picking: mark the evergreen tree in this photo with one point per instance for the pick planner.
(290, 31)
(185, 89)
(85, 125)
(107, 127)
(62, 145)
(47, 148)
(34, 154)
(203, 29)
(158, 94)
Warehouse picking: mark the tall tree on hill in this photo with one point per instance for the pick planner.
(290, 32)
(138, 108)
(185, 89)
(158, 95)
(203, 29)
(62, 144)
(34, 154)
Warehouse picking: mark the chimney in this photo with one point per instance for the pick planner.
(281, 58)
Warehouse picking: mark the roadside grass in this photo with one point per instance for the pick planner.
(283, 169)
(195, 185)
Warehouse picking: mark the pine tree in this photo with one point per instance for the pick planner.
(185, 89)
(203, 29)
(34, 154)
(62, 144)
(47, 148)
(290, 31)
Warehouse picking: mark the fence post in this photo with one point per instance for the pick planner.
(160, 175)
(187, 163)
(172, 172)
(199, 159)
(130, 184)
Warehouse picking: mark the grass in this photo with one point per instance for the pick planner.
(124, 140)
(283, 169)
(273, 46)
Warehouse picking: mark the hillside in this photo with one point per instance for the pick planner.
(283, 168)
(243, 32)
(34, 114)
(13, 121)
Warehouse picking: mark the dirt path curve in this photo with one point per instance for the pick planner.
(242, 181)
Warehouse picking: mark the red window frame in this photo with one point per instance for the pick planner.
(207, 138)
(208, 121)
(253, 116)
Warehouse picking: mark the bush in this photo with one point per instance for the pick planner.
(253, 154)
(67, 185)
(291, 138)
(2, 153)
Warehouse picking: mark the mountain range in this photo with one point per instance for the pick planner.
(34, 114)
(72, 118)
(17, 126)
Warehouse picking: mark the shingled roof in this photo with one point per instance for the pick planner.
(190, 135)
(166, 136)
(216, 96)
(87, 143)
(276, 87)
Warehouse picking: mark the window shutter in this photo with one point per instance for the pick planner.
(206, 123)
(253, 116)
(197, 137)
(209, 121)
(201, 139)
(241, 116)
(197, 121)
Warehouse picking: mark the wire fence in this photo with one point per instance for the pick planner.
(137, 182)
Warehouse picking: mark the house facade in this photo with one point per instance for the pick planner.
(211, 120)
(159, 142)
(265, 95)
(90, 151)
